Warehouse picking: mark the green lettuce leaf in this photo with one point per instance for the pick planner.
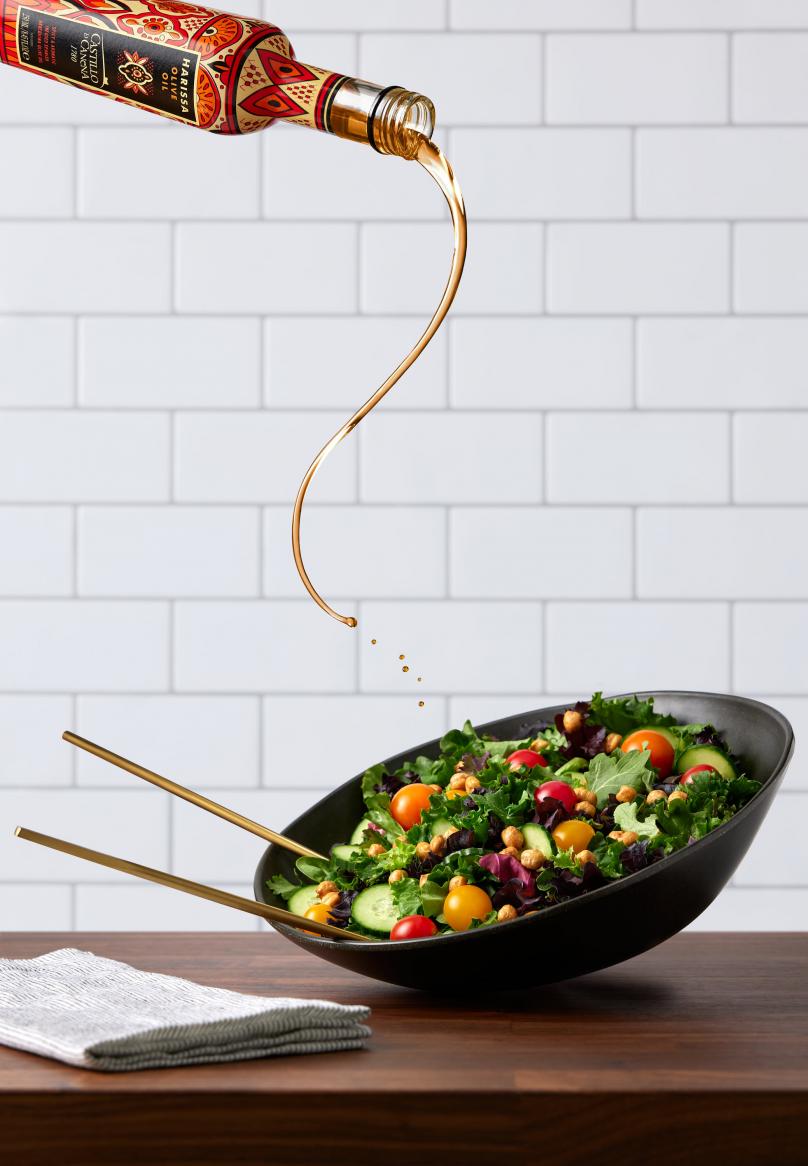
(625, 816)
(378, 802)
(608, 772)
(282, 887)
(625, 714)
(432, 897)
(406, 897)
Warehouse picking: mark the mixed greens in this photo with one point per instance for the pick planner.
(493, 830)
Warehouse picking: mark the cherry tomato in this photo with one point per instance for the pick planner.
(318, 912)
(414, 927)
(528, 757)
(689, 774)
(560, 791)
(455, 793)
(409, 803)
(659, 747)
(464, 904)
(574, 835)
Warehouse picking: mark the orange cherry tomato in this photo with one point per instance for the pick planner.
(464, 904)
(455, 793)
(409, 803)
(660, 748)
(318, 912)
(573, 835)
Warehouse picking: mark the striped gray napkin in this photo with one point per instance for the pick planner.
(100, 1014)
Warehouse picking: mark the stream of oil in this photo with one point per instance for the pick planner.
(433, 161)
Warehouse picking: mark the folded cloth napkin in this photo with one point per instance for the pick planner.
(101, 1014)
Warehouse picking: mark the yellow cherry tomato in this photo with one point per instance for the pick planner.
(573, 835)
(464, 904)
(455, 793)
(318, 912)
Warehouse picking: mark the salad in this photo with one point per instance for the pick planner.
(494, 830)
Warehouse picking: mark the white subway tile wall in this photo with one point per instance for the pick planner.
(595, 478)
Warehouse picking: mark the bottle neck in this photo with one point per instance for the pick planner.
(392, 120)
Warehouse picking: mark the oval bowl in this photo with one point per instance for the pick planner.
(598, 929)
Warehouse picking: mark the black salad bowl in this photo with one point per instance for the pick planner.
(598, 929)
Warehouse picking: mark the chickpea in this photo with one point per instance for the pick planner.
(460, 766)
(585, 856)
(510, 851)
(396, 876)
(630, 837)
(512, 837)
(572, 721)
(457, 881)
(581, 793)
(375, 850)
(506, 913)
(422, 879)
(539, 744)
(438, 845)
(457, 781)
(626, 793)
(331, 899)
(422, 850)
(656, 795)
(532, 859)
(472, 784)
(585, 809)
(617, 835)
(592, 798)
(612, 742)
(326, 888)
(678, 795)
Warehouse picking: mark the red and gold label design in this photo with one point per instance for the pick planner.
(153, 75)
(221, 72)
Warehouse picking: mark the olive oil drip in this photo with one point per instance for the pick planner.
(433, 161)
(406, 668)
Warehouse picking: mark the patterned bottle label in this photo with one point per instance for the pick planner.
(158, 76)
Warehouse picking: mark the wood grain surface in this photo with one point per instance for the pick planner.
(693, 1052)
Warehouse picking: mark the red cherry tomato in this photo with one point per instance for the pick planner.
(409, 803)
(660, 748)
(689, 774)
(414, 927)
(560, 791)
(528, 757)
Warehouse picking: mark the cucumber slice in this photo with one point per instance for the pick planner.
(300, 900)
(346, 853)
(707, 755)
(440, 827)
(374, 909)
(537, 838)
(359, 831)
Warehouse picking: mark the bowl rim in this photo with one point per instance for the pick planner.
(478, 934)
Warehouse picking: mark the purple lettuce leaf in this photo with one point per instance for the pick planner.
(506, 868)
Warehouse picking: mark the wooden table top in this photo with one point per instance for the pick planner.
(699, 1044)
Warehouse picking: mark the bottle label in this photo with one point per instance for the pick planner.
(142, 72)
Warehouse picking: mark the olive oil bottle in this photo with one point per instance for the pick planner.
(209, 69)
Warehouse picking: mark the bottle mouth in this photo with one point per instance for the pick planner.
(400, 122)
(392, 120)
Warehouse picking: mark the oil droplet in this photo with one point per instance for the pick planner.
(419, 678)
(405, 668)
(402, 656)
(420, 704)
(373, 641)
